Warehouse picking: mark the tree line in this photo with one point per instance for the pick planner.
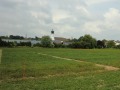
(87, 41)
(19, 37)
(12, 37)
(84, 42)
(13, 44)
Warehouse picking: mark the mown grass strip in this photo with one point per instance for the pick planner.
(0, 55)
(106, 67)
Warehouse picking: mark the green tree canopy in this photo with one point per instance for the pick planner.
(88, 41)
(46, 41)
(110, 44)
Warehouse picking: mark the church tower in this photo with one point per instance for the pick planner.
(52, 35)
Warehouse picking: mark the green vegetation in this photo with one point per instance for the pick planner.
(101, 81)
(111, 44)
(25, 69)
(86, 41)
(46, 41)
(0, 55)
(16, 60)
(102, 56)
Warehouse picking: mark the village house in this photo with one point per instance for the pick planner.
(61, 40)
(117, 42)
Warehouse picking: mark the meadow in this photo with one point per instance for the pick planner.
(28, 69)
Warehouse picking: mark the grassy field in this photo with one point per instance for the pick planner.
(26, 69)
(0, 55)
(101, 56)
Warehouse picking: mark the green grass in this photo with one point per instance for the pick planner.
(15, 62)
(101, 56)
(103, 81)
(0, 55)
(48, 73)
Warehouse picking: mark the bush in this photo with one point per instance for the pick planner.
(46, 41)
(24, 44)
(37, 45)
(60, 45)
(75, 45)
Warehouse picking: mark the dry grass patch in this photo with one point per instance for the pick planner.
(0, 55)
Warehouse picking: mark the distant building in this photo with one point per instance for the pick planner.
(52, 35)
(117, 42)
(61, 40)
(18, 41)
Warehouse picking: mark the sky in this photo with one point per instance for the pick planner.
(68, 18)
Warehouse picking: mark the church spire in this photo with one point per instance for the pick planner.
(52, 35)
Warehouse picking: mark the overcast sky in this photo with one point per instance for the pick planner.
(68, 18)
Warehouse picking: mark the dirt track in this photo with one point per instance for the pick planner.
(106, 67)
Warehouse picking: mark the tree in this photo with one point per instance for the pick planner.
(46, 41)
(0, 40)
(16, 37)
(111, 44)
(36, 38)
(100, 44)
(73, 40)
(87, 41)
(105, 43)
(75, 45)
(4, 37)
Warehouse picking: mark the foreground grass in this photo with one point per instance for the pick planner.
(18, 63)
(0, 55)
(25, 69)
(101, 81)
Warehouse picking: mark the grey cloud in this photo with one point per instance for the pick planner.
(67, 17)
